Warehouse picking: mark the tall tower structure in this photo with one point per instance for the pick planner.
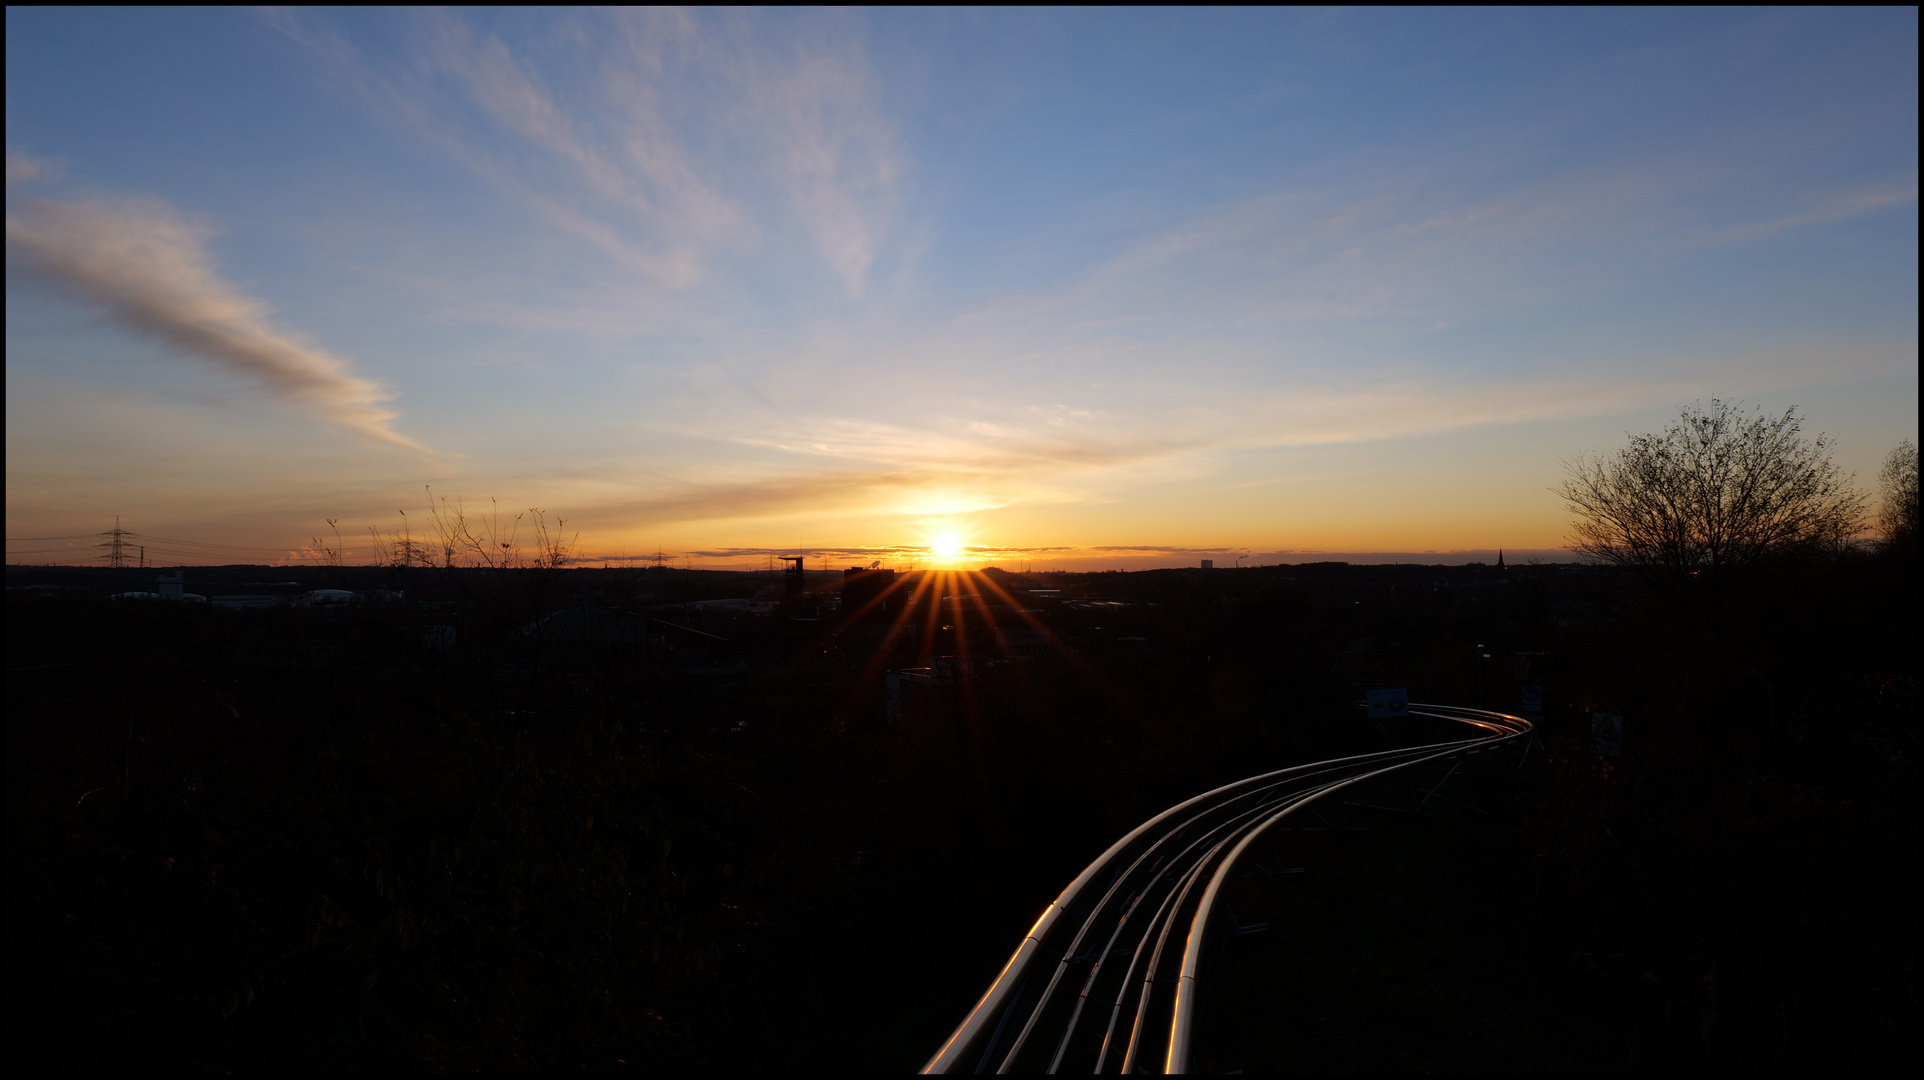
(116, 544)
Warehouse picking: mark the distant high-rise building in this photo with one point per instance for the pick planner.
(1209, 564)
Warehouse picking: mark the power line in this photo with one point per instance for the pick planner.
(202, 543)
(131, 535)
(125, 546)
(125, 539)
(116, 545)
(189, 554)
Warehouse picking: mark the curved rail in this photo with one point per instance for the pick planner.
(1187, 851)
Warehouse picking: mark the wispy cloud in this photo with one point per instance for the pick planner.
(894, 472)
(871, 552)
(147, 267)
(1029, 454)
(22, 168)
(842, 464)
(840, 155)
(1022, 437)
(907, 491)
(677, 137)
(1837, 206)
(1099, 557)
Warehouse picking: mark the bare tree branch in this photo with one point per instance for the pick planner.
(1719, 488)
(1897, 511)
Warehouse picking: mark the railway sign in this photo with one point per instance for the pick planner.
(1606, 734)
(1385, 704)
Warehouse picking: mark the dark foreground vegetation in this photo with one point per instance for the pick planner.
(457, 831)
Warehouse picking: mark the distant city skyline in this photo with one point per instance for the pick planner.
(1095, 289)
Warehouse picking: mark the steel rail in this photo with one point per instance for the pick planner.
(1002, 991)
(1123, 878)
(1189, 879)
(1195, 874)
(1231, 819)
(1181, 1027)
(1096, 969)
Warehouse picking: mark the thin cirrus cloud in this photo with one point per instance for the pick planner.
(770, 498)
(898, 472)
(891, 469)
(683, 138)
(24, 167)
(882, 491)
(1834, 207)
(1024, 458)
(1248, 295)
(147, 268)
(1385, 249)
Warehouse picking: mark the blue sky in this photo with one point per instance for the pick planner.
(1122, 287)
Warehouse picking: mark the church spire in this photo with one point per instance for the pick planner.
(1499, 558)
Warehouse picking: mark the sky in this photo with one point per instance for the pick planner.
(1068, 288)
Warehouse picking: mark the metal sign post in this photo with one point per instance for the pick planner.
(1389, 704)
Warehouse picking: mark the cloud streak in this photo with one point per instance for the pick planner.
(147, 268)
(22, 168)
(1839, 206)
(683, 138)
(1096, 557)
(841, 157)
(905, 491)
(884, 469)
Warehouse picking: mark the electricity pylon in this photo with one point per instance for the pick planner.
(116, 545)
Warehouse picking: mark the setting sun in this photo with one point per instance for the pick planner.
(946, 546)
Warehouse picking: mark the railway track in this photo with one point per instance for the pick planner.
(1108, 979)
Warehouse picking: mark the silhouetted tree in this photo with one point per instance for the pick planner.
(1897, 514)
(1719, 488)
